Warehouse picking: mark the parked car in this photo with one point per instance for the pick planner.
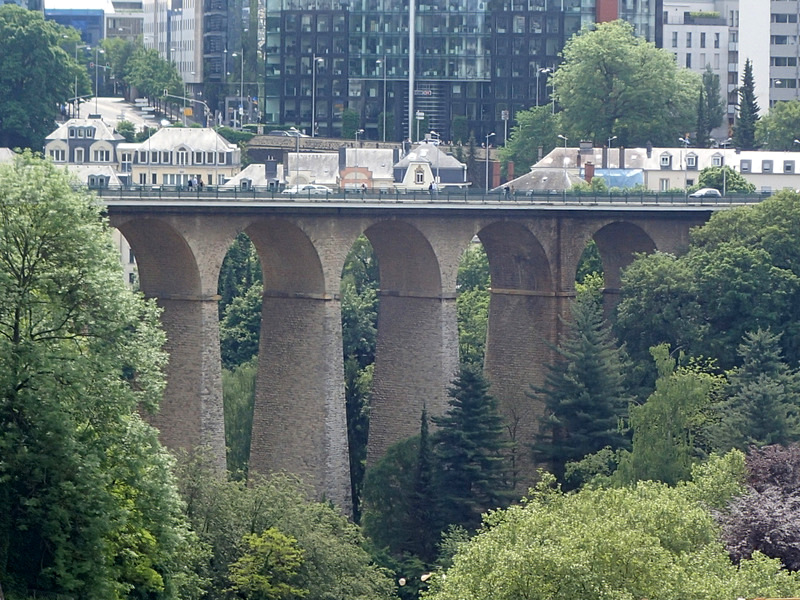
(308, 189)
(287, 133)
(706, 193)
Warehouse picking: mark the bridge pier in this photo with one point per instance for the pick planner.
(299, 421)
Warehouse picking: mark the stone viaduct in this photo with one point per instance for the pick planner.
(299, 421)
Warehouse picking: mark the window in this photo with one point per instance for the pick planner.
(165, 158)
(666, 160)
(688, 39)
(691, 161)
(663, 185)
(419, 176)
(716, 40)
(766, 166)
(142, 178)
(788, 166)
(702, 39)
(716, 160)
(101, 156)
(80, 132)
(79, 155)
(142, 157)
(221, 158)
(688, 60)
(154, 158)
(72, 133)
(181, 157)
(209, 158)
(745, 166)
(674, 39)
(58, 155)
(198, 158)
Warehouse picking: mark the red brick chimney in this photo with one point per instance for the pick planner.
(588, 172)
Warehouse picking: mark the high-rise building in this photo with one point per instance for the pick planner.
(475, 62)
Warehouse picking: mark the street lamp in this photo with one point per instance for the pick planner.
(438, 141)
(419, 116)
(539, 72)
(564, 161)
(725, 145)
(96, 76)
(241, 89)
(611, 139)
(77, 106)
(382, 62)
(487, 159)
(358, 132)
(315, 60)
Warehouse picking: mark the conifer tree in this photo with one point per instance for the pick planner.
(584, 393)
(470, 447)
(744, 133)
(424, 504)
(762, 406)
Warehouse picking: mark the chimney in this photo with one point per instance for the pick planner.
(588, 172)
(621, 157)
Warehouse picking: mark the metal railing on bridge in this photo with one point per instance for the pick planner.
(399, 196)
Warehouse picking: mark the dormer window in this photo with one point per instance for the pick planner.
(72, 132)
(691, 161)
(80, 132)
(716, 160)
(666, 160)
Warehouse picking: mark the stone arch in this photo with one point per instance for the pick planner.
(617, 242)
(416, 335)
(523, 327)
(299, 418)
(191, 412)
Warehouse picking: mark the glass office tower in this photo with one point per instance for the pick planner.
(476, 61)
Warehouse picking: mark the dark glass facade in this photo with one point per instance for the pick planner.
(476, 60)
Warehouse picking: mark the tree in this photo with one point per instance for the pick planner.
(470, 447)
(613, 82)
(351, 121)
(744, 132)
(644, 541)
(151, 74)
(36, 76)
(472, 304)
(88, 504)
(459, 129)
(710, 110)
(268, 567)
(534, 135)
(665, 427)
(765, 519)
(238, 395)
(334, 565)
(778, 129)
(584, 393)
(761, 406)
(118, 54)
(724, 179)
(742, 273)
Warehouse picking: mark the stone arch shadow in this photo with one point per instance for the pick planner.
(417, 335)
(523, 318)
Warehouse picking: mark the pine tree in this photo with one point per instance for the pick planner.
(424, 504)
(703, 129)
(470, 448)
(761, 408)
(584, 393)
(744, 133)
(715, 109)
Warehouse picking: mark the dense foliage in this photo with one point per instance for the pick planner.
(777, 129)
(645, 541)
(585, 394)
(88, 505)
(612, 82)
(36, 75)
(741, 273)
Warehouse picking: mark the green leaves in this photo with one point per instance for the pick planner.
(614, 83)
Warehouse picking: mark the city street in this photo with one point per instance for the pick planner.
(114, 110)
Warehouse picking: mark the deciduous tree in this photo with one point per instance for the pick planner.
(613, 82)
(88, 505)
(780, 127)
(36, 76)
(534, 135)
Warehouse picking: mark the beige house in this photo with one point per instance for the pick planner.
(90, 144)
(176, 155)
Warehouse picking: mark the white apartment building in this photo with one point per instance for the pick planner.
(767, 32)
(175, 29)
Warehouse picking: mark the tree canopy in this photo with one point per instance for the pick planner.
(612, 82)
(779, 128)
(36, 76)
(88, 505)
(645, 541)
